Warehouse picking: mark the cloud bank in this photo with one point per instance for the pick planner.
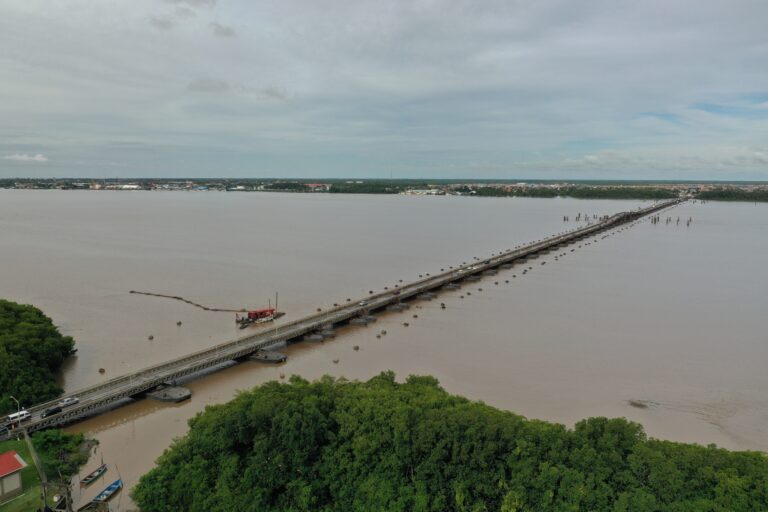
(497, 89)
(220, 30)
(18, 157)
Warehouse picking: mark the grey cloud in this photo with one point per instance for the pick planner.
(161, 23)
(167, 22)
(23, 157)
(220, 30)
(183, 13)
(270, 93)
(208, 85)
(194, 3)
(274, 93)
(215, 85)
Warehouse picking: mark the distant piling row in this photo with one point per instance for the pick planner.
(585, 217)
(657, 218)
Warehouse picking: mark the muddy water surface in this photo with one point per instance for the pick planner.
(666, 315)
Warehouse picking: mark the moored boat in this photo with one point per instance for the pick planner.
(93, 475)
(110, 491)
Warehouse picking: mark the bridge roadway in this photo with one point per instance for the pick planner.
(100, 397)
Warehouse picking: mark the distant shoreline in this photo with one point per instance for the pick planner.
(385, 180)
(584, 189)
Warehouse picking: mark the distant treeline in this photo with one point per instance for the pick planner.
(31, 352)
(734, 194)
(336, 445)
(373, 187)
(287, 186)
(580, 192)
(366, 187)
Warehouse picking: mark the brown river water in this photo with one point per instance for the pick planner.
(668, 315)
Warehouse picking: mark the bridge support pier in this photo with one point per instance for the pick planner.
(268, 356)
(172, 394)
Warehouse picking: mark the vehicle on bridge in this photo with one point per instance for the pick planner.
(51, 411)
(69, 401)
(18, 417)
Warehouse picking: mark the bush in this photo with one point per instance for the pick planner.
(59, 452)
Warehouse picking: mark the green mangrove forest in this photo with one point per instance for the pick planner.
(31, 352)
(380, 445)
(734, 194)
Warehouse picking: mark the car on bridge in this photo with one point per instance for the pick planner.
(51, 411)
(70, 400)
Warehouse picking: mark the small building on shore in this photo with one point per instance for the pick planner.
(11, 465)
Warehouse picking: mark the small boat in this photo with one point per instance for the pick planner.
(110, 491)
(93, 475)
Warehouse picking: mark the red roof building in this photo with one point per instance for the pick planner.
(11, 465)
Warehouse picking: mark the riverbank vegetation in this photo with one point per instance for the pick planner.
(579, 192)
(734, 194)
(61, 453)
(373, 187)
(335, 445)
(31, 352)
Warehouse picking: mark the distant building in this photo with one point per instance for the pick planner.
(11, 465)
(423, 192)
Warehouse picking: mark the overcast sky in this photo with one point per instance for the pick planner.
(661, 89)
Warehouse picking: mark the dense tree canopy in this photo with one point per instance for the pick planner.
(580, 192)
(371, 187)
(345, 446)
(61, 453)
(31, 351)
(734, 194)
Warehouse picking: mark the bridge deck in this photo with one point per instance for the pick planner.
(100, 396)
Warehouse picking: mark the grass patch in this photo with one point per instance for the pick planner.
(27, 502)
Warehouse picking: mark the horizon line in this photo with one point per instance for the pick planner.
(457, 180)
